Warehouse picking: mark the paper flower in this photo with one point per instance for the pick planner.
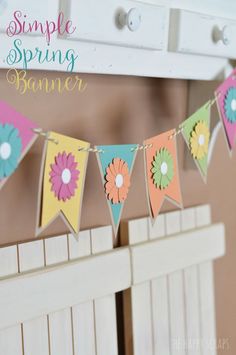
(230, 105)
(10, 149)
(199, 140)
(63, 176)
(118, 181)
(163, 169)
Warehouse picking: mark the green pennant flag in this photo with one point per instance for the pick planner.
(196, 133)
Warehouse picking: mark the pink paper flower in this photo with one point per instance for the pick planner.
(64, 176)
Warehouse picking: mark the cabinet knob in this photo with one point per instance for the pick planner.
(132, 19)
(223, 35)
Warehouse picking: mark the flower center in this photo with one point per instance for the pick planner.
(233, 105)
(164, 168)
(5, 150)
(201, 139)
(66, 176)
(119, 181)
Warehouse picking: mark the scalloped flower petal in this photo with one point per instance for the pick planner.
(162, 180)
(118, 181)
(9, 135)
(64, 188)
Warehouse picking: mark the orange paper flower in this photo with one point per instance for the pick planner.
(118, 181)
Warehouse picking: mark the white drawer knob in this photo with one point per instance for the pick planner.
(132, 19)
(223, 35)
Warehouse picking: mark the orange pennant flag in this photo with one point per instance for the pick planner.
(162, 175)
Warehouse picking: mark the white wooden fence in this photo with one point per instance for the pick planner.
(57, 296)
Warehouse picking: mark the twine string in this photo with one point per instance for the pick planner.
(213, 101)
(40, 132)
(139, 147)
(177, 132)
(90, 150)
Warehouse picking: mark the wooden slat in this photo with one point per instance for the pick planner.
(105, 307)
(139, 298)
(177, 252)
(83, 313)
(60, 323)
(159, 290)
(54, 288)
(35, 332)
(161, 326)
(191, 288)
(207, 299)
(10, 338)
(176, 291)
(59, 287)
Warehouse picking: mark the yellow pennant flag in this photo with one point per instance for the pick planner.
(63, 172)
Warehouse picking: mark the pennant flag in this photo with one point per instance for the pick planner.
(162, 176)
(63, 172)
(226, 103)
(16, 138)
(116, 164)
(196, 133)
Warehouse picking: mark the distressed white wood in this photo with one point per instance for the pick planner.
(10, 338)
(182, 39)
(111, 58)
(106, 59)
(207, 299)
(140, 297)
(191, 289)
(105, 307)
(176, 294)
(160, 305)
(31, 256)
(83, 313)
(60, 323)
(176, 252)
(150, 35)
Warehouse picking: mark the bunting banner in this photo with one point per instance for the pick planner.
(64, 161)
(116, 165)
(63, 172)
(162, 175)
(196, 133)
(226, 103)
(16, 138)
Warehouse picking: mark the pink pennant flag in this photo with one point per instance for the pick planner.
(16, 138)
(226, 102)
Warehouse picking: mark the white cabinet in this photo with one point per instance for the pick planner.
(41, 11)
(195, 33)
(156, 38)
(103, 21)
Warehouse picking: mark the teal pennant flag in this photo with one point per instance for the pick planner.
(116, 164)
